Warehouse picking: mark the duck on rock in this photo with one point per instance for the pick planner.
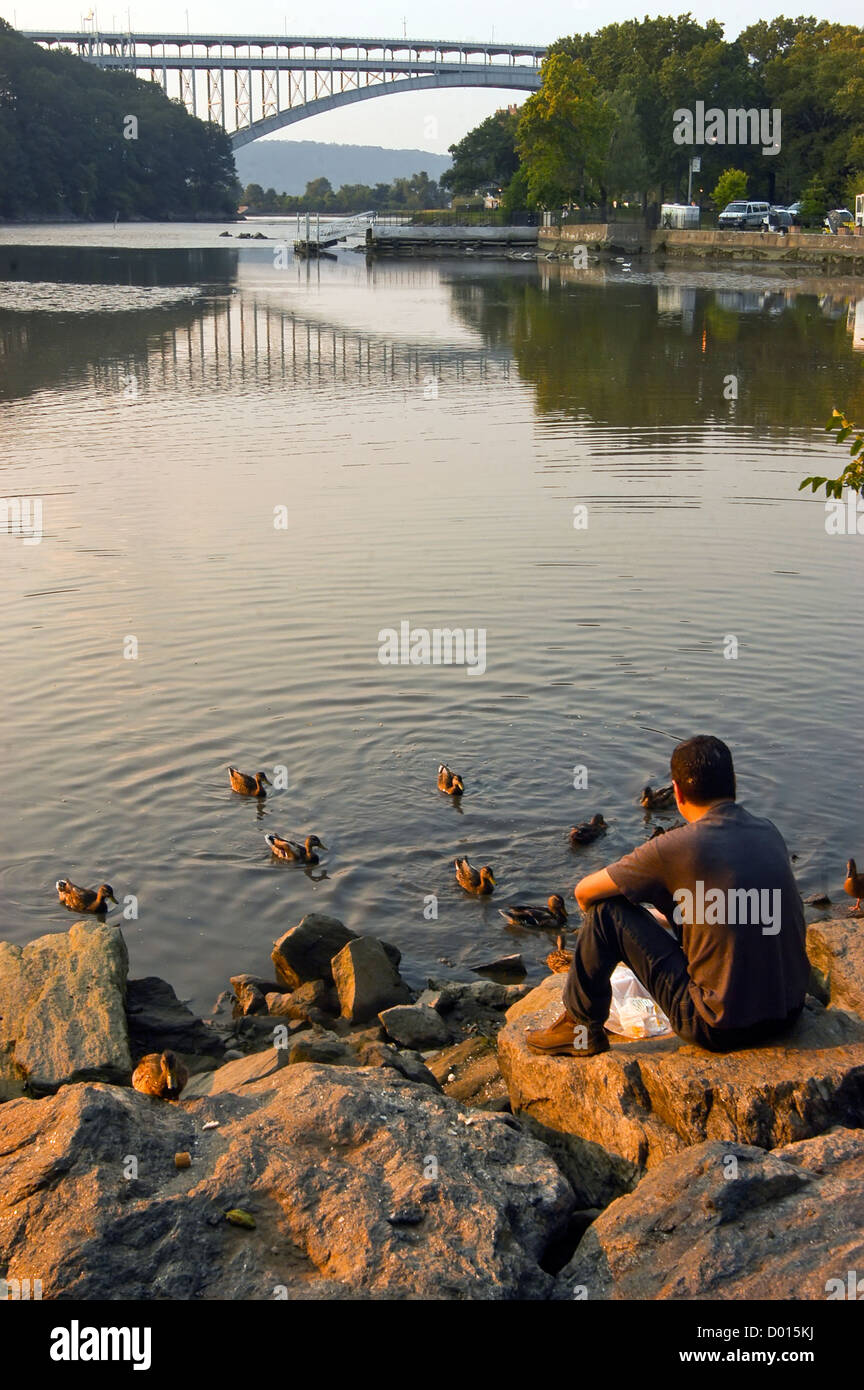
(160, 1074)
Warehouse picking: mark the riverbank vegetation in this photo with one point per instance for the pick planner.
(601, 126)
(402, 195)
(76, 142)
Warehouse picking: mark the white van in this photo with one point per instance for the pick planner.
(743, 215)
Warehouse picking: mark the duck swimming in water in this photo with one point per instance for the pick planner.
(450, 782)
(248, 785)
(854, 884)
(656, 800)
(588, 831)
(291, 849)
(161, 1075)
(84, 899)
(555, 915)
(474, 880)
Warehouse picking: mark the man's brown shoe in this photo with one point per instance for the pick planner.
(567, 1038)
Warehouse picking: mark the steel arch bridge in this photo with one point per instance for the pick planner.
(252, 86)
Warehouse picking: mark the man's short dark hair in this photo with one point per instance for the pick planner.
(702, 767)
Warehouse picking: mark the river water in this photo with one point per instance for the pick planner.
(248, 470)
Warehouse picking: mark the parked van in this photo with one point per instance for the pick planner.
(743, 214)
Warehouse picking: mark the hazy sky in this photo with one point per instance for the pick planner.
(425, 120)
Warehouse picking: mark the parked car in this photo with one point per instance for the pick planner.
(743, 214)
(795, 209)
(777, 220)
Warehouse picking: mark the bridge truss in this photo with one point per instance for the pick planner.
(253, 86)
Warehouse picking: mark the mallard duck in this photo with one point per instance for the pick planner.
(655, 801)
(664, 829)
(474, 880)
(559, 960)
(84, 899)
(248, 786)
(450, 782)
(589, 830)
(555, 915)
(854, 884)
(290, 849)
(160, 1074)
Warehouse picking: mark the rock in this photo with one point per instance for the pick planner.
(305, 952)
(330, 1051)
(836, 951)
(233, 1076)
(249, 993)
(320, 1157)
(407, 1064)
(415, 1026)
(366, 980)
(726, 1221)
(503, 968)
(62, 1009)
(158, 1020)
(469, 1072)
(645, 1100)
(312, 997)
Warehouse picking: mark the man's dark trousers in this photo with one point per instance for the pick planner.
(617, 930)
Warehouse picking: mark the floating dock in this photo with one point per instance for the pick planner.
(447, 241)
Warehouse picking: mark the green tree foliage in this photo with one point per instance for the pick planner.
(730, 187)
(564, 134)
(408, 195)
(64, 149)
(486, 159)
(814, 203)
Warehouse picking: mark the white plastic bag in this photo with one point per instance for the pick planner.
(633, 1013)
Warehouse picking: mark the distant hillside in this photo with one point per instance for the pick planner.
(288, 165)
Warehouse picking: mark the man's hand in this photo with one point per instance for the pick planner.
(594, 888)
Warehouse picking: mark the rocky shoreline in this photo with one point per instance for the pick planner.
(380, 1143)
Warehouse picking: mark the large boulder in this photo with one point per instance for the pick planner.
(415, 1026)
(366, 979)
(305, 952)
(836, 951)
(158, 1020)
(361, 1184)
(645, 1100)
(62, 1010)
(727, 1221)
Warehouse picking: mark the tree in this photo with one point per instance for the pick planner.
(814, 203)
(486, 158)
(853, 474)
(563, 134)
(626, 168)
(731, 187)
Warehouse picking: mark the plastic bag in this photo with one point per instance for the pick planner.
(633, 1013)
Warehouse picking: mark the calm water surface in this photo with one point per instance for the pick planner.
(429, 428)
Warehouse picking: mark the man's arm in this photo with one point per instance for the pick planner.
(594, 888)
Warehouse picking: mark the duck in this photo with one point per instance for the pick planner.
(656, 800)
(290, 849)
(559, 960)
(664, 829)
(248, 785)
(84, 899)
(555, 915)
(450, 782)
(474, 880)
(160, 1074)
(854, 884)
(589, 830)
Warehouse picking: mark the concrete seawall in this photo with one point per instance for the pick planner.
(440, 241)
(845, 253)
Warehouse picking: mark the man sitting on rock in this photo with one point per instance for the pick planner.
(723, 954)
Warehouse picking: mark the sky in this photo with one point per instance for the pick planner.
(416, 120)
